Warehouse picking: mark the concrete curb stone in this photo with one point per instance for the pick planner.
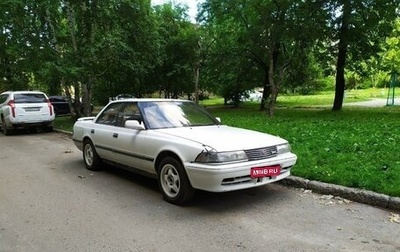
(69, 133)
(353, 194)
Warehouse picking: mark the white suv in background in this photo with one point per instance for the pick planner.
(25, 109)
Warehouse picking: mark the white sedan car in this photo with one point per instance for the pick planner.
(181, 145)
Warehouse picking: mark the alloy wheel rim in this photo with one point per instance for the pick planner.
(88, 155)
(170, 181)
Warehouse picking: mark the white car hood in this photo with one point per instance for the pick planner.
(225, 138)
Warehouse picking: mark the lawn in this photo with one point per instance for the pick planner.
(354, 147)
(320, 99)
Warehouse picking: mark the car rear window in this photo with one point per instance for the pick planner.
(29, 98)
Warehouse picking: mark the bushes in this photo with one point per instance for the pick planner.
(353, 81)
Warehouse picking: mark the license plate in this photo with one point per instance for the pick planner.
(32, 109)
(265, 171)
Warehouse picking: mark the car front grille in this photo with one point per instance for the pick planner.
(262, 153)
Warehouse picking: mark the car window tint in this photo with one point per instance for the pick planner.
(130, 111)
(30, 98)
(109, 116)
(56, 99)
(175, 114)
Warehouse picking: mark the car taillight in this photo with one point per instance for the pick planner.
(50, 106)
(12, 106)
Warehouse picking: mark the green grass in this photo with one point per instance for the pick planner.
(64, 123)
(354, 147)
(320, 99)
(326, 98)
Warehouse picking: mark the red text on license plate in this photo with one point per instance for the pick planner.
(265, 171)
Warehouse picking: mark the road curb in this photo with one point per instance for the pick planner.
(69, 133)
(353, 194)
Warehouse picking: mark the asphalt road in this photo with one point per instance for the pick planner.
(49, 202)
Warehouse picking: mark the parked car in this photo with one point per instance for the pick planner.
(181, 145)
(61, 104)
(121, 97)
(25, 109)
(252, 95)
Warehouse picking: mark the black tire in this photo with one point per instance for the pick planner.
(174, 182)
(4, 128)
(48, 129)
(90, 157)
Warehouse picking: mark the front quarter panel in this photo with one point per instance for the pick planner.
(158, 144)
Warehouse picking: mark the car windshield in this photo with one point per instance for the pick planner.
(170, 114)
(29, 98)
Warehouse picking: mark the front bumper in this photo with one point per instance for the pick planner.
(236, 176)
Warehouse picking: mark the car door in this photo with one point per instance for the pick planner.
(129, 144)
(104, 131)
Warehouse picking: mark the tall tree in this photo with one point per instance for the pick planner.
(178, 51)
(268, 34)
(360, 26)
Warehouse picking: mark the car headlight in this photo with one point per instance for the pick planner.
(221, 157)
(283, 148)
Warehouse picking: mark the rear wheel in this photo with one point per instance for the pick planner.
(90, 157)
(48, 128)
(173, 182)
(6, 131)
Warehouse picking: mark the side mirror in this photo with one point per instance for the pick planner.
(218, 119)
(134, 124)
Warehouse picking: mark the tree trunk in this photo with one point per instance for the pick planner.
(266, 91)
(341, 60)
(85, 104)
(71, 26)
(267, 78)
(196, 83)
(273, 88)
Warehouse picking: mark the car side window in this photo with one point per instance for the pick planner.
(129, 112)
(110, 114)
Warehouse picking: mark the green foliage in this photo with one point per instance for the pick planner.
(391, 53)
(178, 52)
(262, 44)
(98, 49)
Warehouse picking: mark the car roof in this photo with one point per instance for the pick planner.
(57, 96)
(23, 92)
(150, 100)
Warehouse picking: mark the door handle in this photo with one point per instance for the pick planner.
(115, 135)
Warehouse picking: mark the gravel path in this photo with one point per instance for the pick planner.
(372, 103)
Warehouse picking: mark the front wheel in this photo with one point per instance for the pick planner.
(173, 182)
(90, 157)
